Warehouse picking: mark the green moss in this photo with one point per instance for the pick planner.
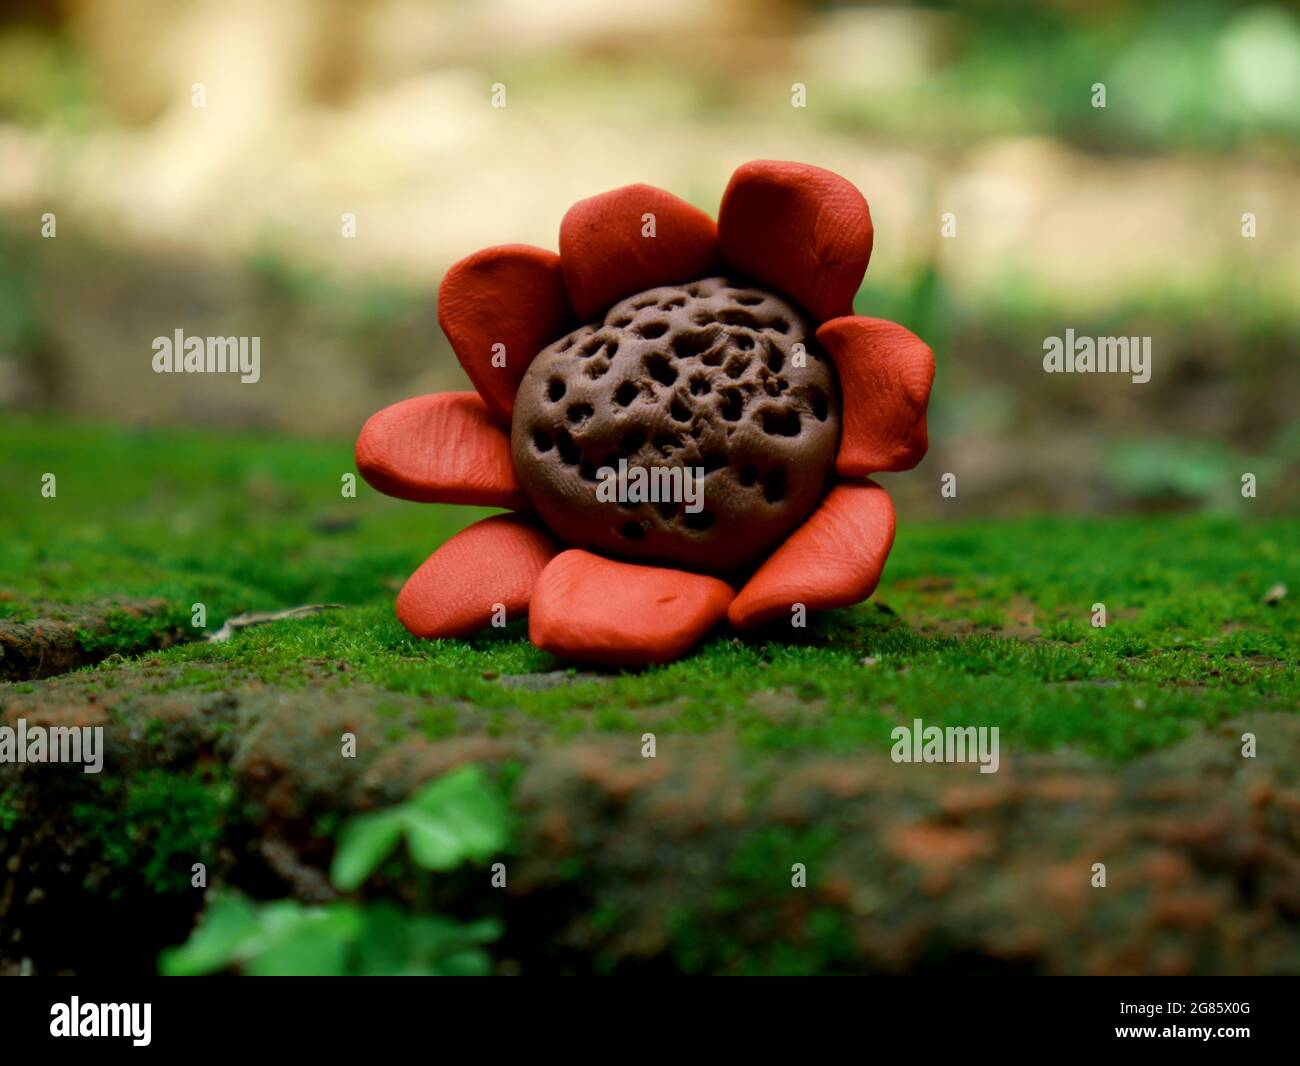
(769, 848)
(153, 827)
(126, 632)
(974, 623)
(760, 921)
(10, 812)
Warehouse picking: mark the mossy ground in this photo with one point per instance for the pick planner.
(975, 623)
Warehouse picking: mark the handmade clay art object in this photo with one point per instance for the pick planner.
(684, 417)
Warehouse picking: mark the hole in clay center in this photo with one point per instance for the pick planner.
(820, 405)
(660, 368)
(733, 405)
(778, 423)
(735, 316)
(736, 366)
(569, 451)
(774, 486)
(599, 346)
(686, 345)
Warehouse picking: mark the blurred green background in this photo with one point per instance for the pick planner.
(226, 219)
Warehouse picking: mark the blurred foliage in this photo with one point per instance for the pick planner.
(919, 92)
(1196, 74)
(452, 820)
(287, 938)
(1206, 74)
(1204, 472)
(44, 80)
(455, 819)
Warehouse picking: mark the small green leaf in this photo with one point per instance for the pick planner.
(457, 817)
(384, 946)
(229, 926)
(432, 844)
(308, 952)
(302, 941)
(469, 963)
(365, 842)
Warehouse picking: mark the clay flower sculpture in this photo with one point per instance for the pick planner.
(682, 415)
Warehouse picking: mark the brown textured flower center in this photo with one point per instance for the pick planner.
(696, 425)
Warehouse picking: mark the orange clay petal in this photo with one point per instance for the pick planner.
(455, 592)
(596, 610)
(801, 229)
(606, 255)
(833, 560)
(440, 448)
(510, 296)
(885, 376)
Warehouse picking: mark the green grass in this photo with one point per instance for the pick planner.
(979, 623)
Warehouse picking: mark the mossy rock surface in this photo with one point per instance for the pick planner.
(1119, 745)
